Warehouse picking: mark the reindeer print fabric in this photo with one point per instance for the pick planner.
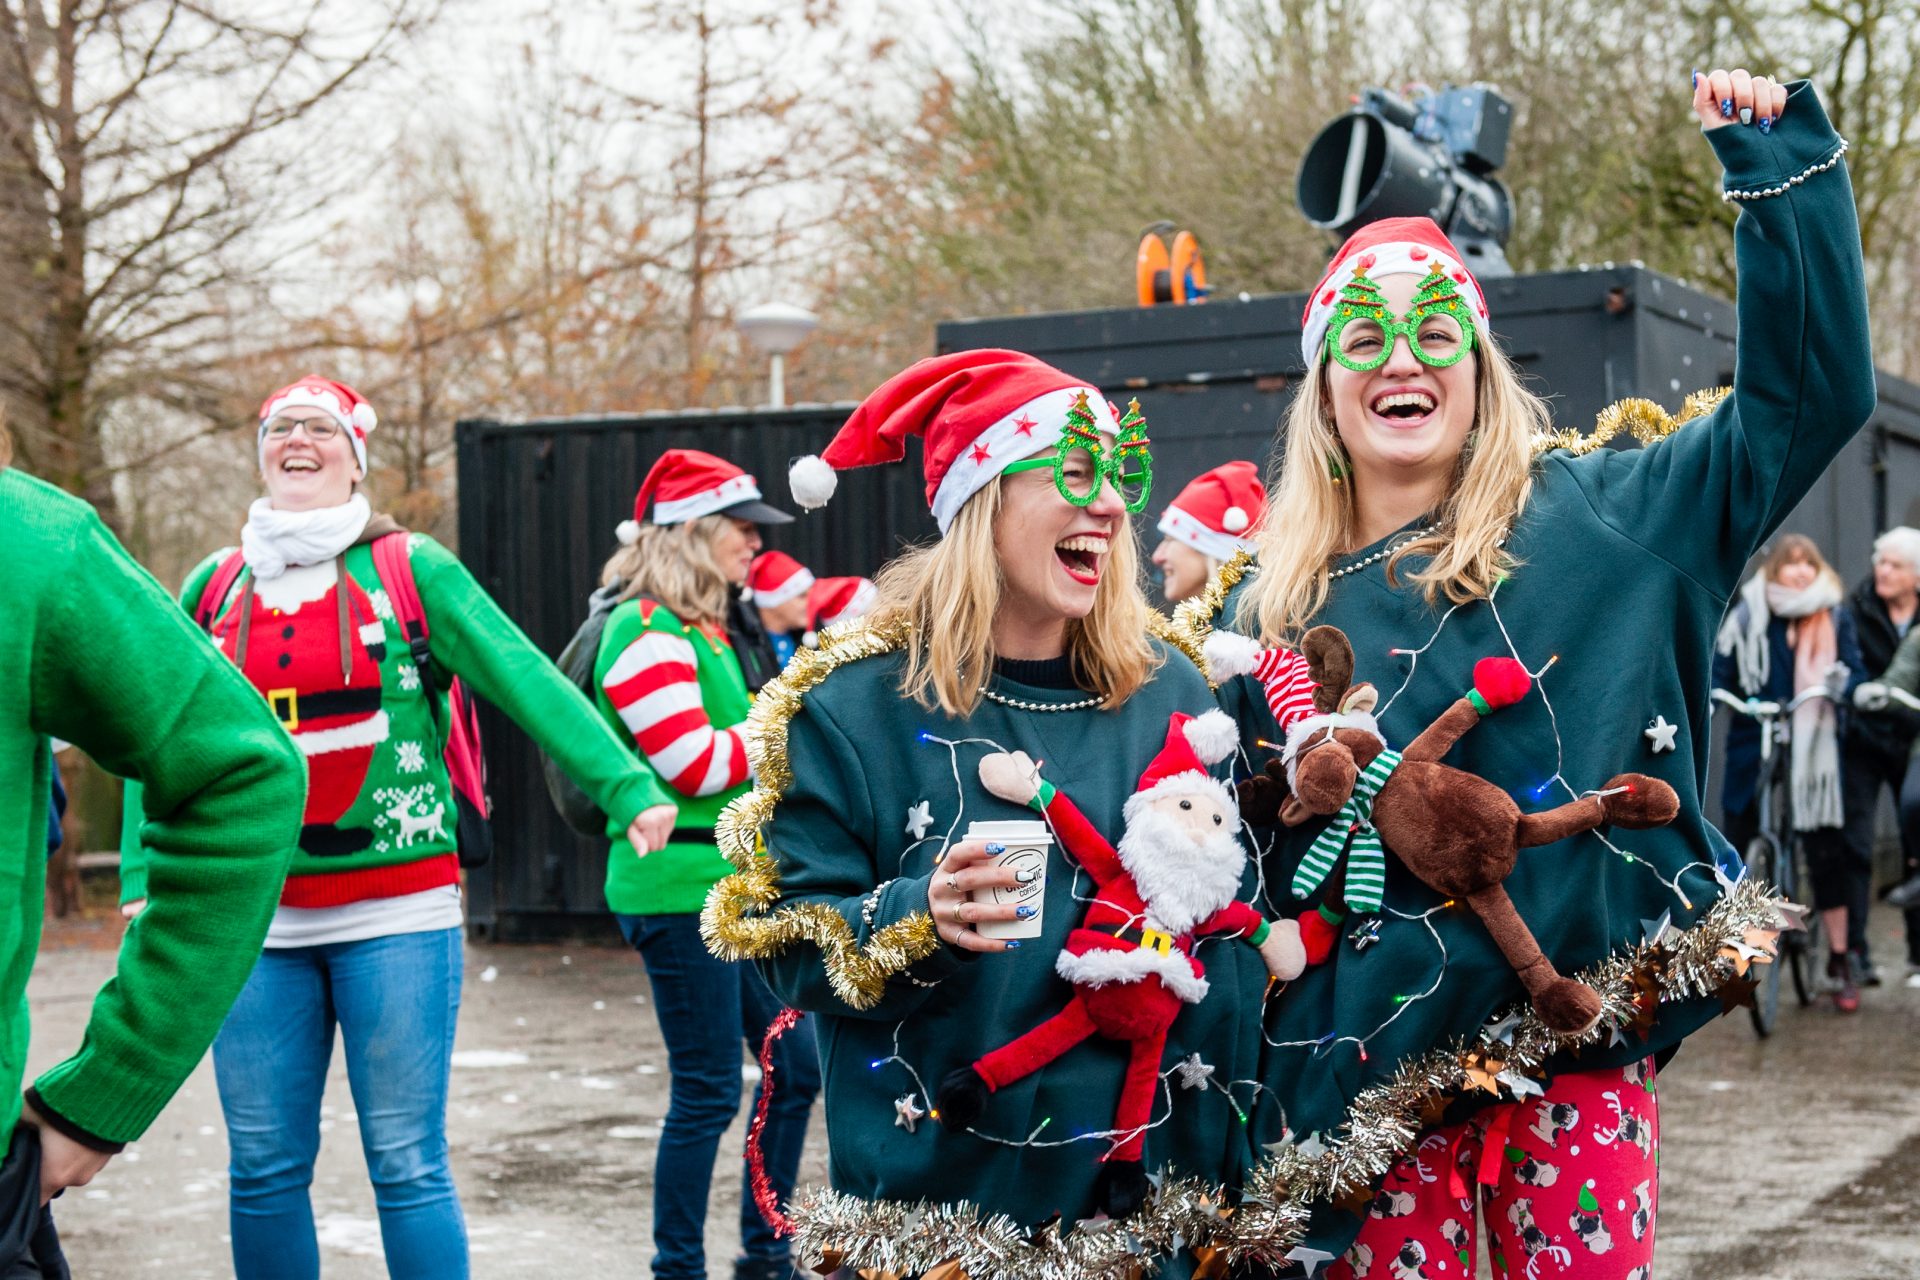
(1565, 1185)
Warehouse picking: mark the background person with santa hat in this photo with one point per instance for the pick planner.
(1210, 522)
(834, 601)
(669, 679)
(367, 935)
(778, 588)
(1023, 628)
(1423, 509)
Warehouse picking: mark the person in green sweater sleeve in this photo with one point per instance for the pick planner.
(1423, 509)
(367, 933)
(668, 678)
(1023, 629)
(224, 786)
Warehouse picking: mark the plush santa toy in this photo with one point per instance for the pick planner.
(1174, 877)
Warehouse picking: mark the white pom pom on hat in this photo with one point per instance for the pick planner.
(1234, 520)
(628, 531)
(1213, 736)
(812, 482)
(1229, 654)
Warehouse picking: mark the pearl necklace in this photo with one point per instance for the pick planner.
(1379, 555)
(1021, 704)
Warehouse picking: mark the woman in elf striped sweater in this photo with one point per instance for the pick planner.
(667, 674)
(367, 934)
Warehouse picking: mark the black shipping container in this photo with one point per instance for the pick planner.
(539, 500)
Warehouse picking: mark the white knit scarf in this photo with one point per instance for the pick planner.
(273, 540)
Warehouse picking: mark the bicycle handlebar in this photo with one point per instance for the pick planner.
(1761, 709)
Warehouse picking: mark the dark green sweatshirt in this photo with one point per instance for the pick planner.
(864, 765)
(99, 655)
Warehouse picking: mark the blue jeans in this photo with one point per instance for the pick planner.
(396, 1000)
(708, 1008)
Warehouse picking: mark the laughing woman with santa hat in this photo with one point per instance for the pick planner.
(1023, 629)
(322, 608)
(1424, 510)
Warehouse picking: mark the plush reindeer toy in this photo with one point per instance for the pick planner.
(1459, 834)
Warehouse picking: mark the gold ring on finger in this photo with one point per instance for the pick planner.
(957, 917)
(953, 883)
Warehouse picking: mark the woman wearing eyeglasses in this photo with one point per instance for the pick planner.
(367, 934)
(1023, 628)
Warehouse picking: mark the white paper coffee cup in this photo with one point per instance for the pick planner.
(1028, 843)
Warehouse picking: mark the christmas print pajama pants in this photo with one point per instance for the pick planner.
(1566, 1184)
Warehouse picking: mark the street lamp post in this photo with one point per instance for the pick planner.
(776, 328)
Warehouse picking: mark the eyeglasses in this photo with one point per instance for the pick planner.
(318, 429)
(1438, 326)
(1082, 462)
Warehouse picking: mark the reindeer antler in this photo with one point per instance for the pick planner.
(1330, 662)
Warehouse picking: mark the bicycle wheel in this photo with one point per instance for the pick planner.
(1810, 944)
(1765, 1010)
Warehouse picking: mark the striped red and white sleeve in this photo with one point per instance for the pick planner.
(1283, 674)
(654, 688)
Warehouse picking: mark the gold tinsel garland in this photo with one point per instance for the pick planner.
(1193, 617)
(743, 918)
(903, 1239)
(1644, 420)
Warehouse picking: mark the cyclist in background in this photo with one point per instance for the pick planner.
(1786, 634)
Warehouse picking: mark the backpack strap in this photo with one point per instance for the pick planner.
(214, 594)
(394, 565)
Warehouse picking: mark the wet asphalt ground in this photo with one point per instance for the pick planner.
(1787, 1159)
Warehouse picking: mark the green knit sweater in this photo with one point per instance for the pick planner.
(874, 796)
(405, 785)
(631, 682)
(1627, 560)
(224, 787)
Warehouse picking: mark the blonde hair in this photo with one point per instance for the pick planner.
(949, 591)
(673, 563)
(1310, 519)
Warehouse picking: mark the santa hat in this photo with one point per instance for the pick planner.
(335, 399)
(1287, 681)
(686, 484)
(1388, 247)
(978, 413)
(774, 578)
(1214, 514)
(1193, 743)
(832, 601)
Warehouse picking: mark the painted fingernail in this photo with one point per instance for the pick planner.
(1025, 913)
(1746, 115)
(1013, 944)
(1026, 876)
(996, 848)
(1696, 79)
(1766, 125)
(1726, 108)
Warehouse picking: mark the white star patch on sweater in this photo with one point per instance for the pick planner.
(1194, 1073)
(919, 818)
(1660, 734)
(907, 1112)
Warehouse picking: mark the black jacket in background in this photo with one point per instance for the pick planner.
(1891, 731)
(758, 662)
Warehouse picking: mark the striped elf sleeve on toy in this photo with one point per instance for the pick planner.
(654, 686)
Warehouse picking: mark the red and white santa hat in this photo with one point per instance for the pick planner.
(1215, 514)
(1388, 247)
(335, 399)
(832, 601)
(1193, 743)
(978, 413)
(686, 484)
(775, 577)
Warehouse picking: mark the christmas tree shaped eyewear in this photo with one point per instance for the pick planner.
(1438, 326)
(1082, 462)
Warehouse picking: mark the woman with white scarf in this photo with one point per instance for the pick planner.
(366, 939)
(1786, 634)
